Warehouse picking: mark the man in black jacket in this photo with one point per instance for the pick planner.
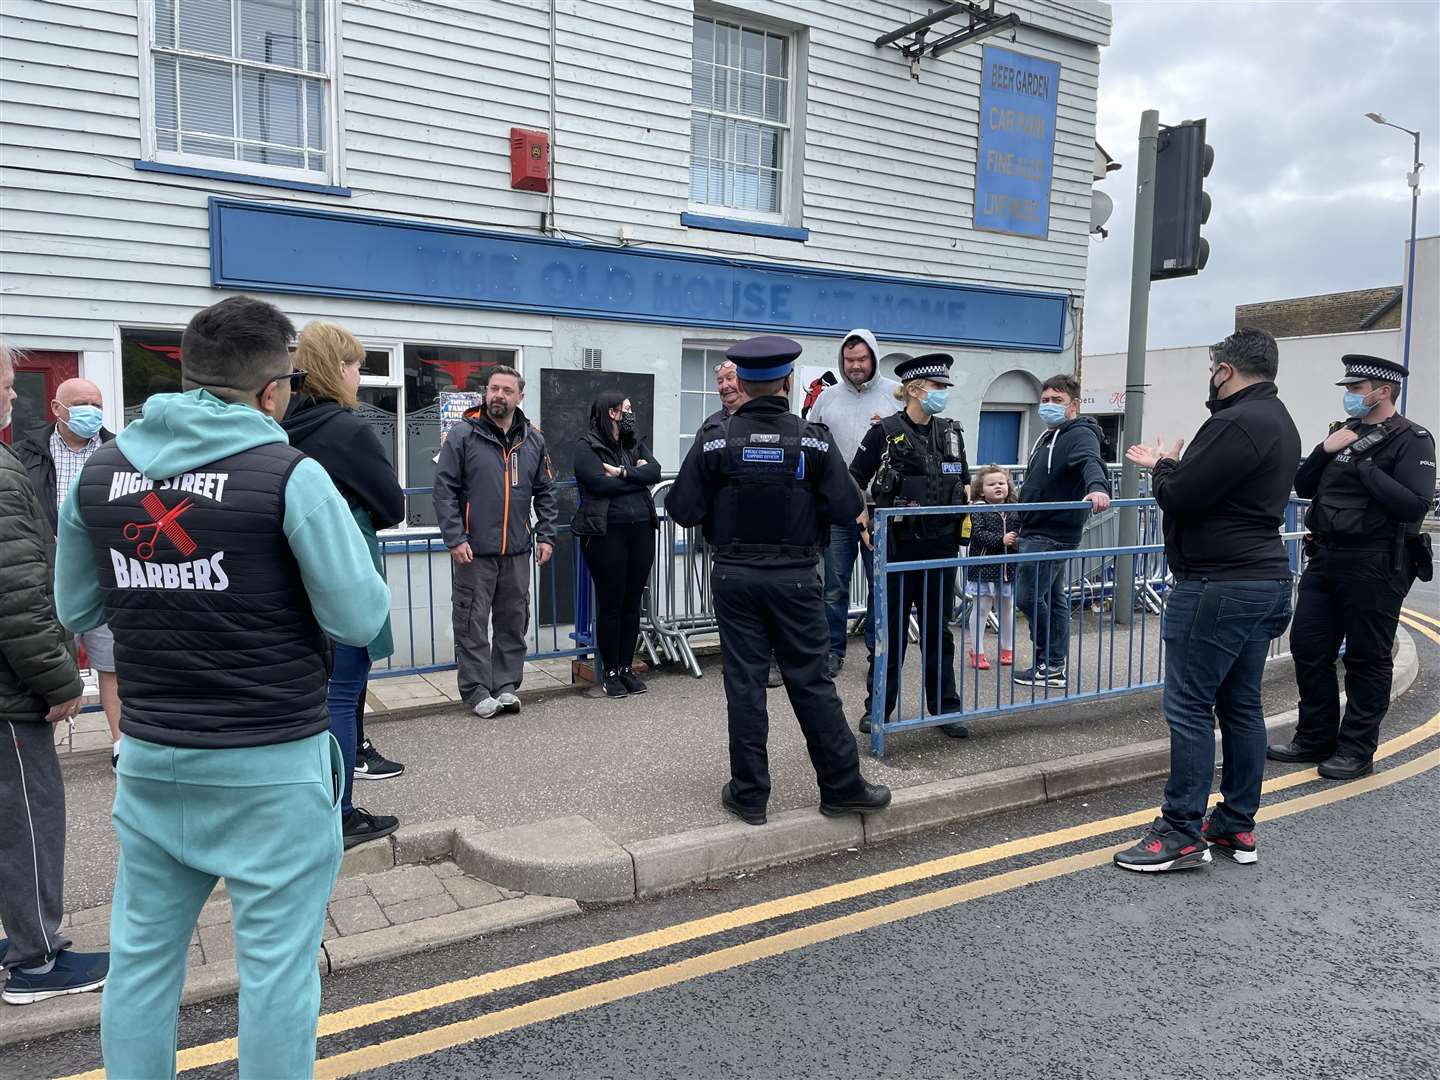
(1371, 482)
(1065, 466)
(39, 687)
(54, 456)
(1224, 506)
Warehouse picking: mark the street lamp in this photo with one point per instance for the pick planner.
(1413, 179)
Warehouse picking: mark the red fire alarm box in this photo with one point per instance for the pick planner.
(529, 160)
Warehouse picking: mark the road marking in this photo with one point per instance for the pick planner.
(1421, 616)
(359, 1016)
(447, 1036)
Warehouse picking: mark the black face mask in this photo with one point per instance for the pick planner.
(1214, 394)
(627, 426)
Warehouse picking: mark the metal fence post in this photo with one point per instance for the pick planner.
(880, 606)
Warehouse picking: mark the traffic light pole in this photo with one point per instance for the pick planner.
(1135, 362)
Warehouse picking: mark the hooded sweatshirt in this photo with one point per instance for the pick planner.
(1065, 466)
(183, 432)
(849, 410)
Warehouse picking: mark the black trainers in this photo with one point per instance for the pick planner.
(632, 682)
(370, 764)
(360, 825)
(1041, 675)
(614, 686)
(749, 814)
(1238, 846)
(1163, 848)
(71, 973)
(871, 797)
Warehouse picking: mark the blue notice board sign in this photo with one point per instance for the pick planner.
(1018, 94)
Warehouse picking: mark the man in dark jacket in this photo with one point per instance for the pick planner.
(54, 456)
(1065, 466)
(39, 686)
(1224, 506)
(491, 468)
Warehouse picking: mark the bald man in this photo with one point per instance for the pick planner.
(54, 456)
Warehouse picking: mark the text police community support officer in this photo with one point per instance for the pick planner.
(766, 486)
(1371, 483)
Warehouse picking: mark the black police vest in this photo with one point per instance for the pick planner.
(1342, 512)
(920, 471)
(765, 507)
(215, 643)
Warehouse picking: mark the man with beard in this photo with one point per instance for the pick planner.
(491, 468)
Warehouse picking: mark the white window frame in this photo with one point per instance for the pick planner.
(791, 190)
(334, 172)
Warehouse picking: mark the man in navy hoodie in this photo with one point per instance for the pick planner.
(1065, 466)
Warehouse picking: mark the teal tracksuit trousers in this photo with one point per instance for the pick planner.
(267, 820)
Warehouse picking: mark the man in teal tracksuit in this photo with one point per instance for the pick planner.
(221, 558)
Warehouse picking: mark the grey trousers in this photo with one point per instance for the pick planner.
(32, 843)
(490, 609)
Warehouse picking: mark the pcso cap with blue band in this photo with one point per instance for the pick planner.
(765, 358)
(1359, 367)
(934, 366)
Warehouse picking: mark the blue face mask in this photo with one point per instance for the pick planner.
(84, 420)
(1052, 415)
(1355, 404)
(935, 401)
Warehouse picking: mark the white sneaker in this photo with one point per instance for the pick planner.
(487, 708)
(509, 703)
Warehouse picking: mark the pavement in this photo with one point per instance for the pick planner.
(626, 805)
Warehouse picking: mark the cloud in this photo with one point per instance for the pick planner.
(1308, 196)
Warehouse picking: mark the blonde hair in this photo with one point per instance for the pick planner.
(322, 352)
(977, 484)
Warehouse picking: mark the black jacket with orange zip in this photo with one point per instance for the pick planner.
(486, 482)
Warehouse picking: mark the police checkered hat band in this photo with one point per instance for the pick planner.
(934, 366)
(1358, 366)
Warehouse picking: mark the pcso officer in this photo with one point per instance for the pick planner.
(916, 457)
(1371, 482)
(766, 485)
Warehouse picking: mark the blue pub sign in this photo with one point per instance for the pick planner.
(1016, 158)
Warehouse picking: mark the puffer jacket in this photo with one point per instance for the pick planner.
(37, 668)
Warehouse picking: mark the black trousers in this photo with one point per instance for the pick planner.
(619, 561)
(761, 611)
(931, 593)
(1354, 597)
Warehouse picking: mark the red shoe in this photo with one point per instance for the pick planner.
(978, 662)
(1007, 657)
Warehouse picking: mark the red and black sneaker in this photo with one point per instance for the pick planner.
(1163, 848)
(1239, 846)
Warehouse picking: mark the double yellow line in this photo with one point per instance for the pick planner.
(431, 1040)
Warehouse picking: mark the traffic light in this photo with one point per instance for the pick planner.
(1182, 161)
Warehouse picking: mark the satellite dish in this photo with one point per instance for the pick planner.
(1101, 207)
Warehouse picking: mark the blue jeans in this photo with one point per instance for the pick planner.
(839, 563)
(344, 698)
(1041, 597)
(1217, 635)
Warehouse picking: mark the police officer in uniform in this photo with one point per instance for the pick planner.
(917, 458)
(1371, 482)
(766, 485)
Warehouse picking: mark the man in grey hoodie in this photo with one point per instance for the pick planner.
(859, 399)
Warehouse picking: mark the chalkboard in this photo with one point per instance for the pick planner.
(565, 398)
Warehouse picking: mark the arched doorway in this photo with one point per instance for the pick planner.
(1005, 418)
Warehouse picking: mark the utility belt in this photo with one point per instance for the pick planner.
(1414, 546)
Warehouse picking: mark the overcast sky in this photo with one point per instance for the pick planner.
(1309, 196)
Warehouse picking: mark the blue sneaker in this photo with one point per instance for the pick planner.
(73, 973)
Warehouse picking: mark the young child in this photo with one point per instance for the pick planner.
(991, 534)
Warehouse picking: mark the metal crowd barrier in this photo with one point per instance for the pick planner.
(1111, 651)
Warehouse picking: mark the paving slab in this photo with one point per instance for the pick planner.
(357, 914)
(403, 883)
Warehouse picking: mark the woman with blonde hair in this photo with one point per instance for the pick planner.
(322, 423)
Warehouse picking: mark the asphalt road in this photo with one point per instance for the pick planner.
(1023, 955)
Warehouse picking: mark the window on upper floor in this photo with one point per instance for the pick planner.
(242, 85)
(740, 118)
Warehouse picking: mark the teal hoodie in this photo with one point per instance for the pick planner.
(181, 432)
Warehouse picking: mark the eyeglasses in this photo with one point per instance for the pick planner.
(296, 377)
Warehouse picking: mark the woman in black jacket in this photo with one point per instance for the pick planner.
(616, 524)
(322, 424)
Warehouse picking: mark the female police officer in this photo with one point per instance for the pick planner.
(917, 458)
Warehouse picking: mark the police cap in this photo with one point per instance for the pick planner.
(1359, 367)
(934, 366)
(764, 358)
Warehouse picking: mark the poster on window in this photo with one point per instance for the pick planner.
(454, 404)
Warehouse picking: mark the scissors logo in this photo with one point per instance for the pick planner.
(162, 522)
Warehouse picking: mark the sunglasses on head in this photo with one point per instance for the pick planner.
(296, 378)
